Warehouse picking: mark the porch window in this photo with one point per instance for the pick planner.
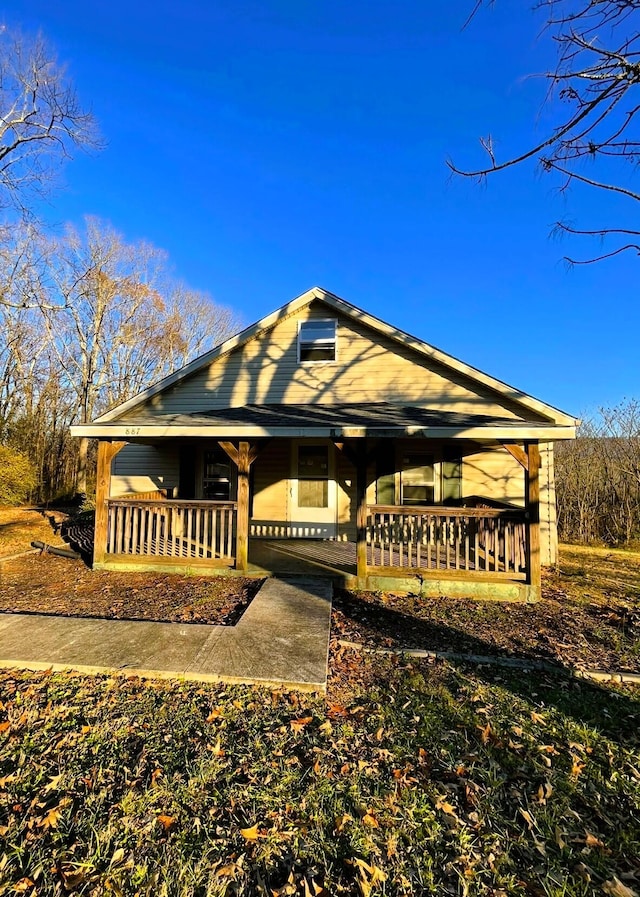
(216, 477)
(317, 341)
(417, 479)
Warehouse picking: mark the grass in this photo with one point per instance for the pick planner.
(422, 779)
(19, 526)
(409, 778)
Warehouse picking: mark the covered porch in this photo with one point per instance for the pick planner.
(455, 547)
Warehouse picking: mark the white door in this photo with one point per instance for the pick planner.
(313, 492)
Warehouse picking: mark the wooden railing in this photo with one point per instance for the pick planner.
(474, 540)
(172, 529)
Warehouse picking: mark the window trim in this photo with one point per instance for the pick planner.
(301, 324)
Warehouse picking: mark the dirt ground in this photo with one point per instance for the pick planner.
(589, 616)
(46, 584)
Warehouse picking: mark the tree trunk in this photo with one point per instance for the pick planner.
(81, 476)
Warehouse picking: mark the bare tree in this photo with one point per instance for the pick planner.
(116, 320)
(593, 89)
(598, 478)
(41, 120)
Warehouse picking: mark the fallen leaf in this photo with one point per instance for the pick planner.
(341, 821)
(51, 819)
(118, 856)
(52, 784)
(616, 888)
(250, 834)
(528, 818)
(560, 839)
(592, 841)
(297, 725)
(166, 821)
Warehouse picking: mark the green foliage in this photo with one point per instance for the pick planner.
(17, 476)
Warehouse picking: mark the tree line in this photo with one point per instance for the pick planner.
(87, 319)
(598, 478)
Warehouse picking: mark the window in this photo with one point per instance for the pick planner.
(216, 477)
(417, 479)
(317, 341)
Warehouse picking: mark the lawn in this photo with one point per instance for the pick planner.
(410, 777)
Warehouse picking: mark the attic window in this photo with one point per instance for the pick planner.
(317, 340)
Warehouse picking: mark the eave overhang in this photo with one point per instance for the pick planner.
(134, 432)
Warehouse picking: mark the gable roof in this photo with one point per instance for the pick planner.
(554, 415)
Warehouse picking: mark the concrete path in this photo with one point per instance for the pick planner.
(281, 640)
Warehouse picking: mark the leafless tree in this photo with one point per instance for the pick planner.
(593, 91)
(41, 120)
(598, 478)
(116, 321)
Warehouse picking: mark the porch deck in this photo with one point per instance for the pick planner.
(413, 546)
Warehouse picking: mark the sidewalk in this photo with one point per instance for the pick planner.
(282, 640)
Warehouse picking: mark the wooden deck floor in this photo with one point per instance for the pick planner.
(303, 555)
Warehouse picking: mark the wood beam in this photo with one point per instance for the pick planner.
(518, 453)
(242, 526)
(361, 517)
(106, 453)
(533, 507)
(230, 450)
(254, 451)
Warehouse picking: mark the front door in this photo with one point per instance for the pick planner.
(313, 491)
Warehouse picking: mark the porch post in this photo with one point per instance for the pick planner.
(361, 517)
(106, 453)
(533, 506)
(242, 529)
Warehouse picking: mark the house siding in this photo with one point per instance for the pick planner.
(370, 367)
(145, 468)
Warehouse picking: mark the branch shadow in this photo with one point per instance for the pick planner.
(540, 677)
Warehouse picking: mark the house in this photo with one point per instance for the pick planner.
(323, 434)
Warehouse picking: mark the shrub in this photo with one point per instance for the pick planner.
(17, 476)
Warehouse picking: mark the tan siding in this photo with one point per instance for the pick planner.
(370, 368)
(271, 490)
(144, 468)
(493, 473)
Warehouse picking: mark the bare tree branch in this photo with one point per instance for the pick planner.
(597, 72)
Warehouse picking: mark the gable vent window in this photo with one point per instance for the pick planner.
(317, 341)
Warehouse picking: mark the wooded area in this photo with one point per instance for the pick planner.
(91, 321)
(598, 478)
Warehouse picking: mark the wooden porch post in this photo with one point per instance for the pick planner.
(242, 530)
(533, 506)
(243, 457)
(106, 453)
(361, 517)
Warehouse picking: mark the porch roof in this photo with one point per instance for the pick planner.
(381, 419)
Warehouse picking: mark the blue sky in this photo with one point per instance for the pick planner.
(270, 147)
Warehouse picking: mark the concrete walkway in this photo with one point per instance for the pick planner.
(281, 640)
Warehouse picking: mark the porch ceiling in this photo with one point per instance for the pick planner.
(380, 419)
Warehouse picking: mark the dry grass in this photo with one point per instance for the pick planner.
(20, 526)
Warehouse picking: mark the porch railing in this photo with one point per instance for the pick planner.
(473, 540)
(172, 529)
